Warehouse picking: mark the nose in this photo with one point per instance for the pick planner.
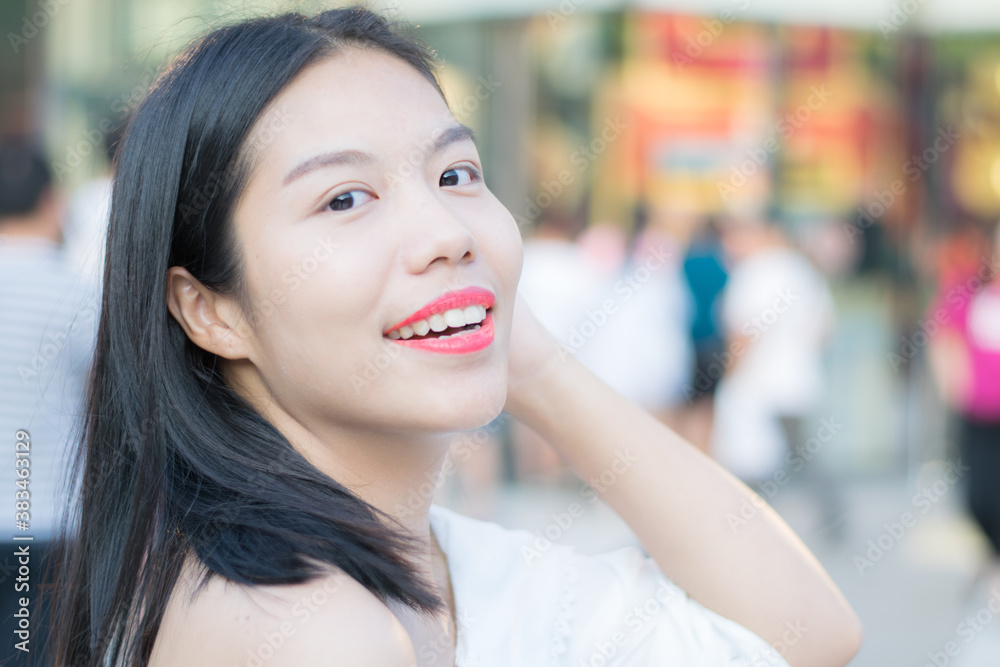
(431, 232)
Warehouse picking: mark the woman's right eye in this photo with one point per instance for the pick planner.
(349, 200)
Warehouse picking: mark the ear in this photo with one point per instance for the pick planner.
(211, 320)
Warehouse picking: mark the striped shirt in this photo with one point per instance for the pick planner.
(48, 323)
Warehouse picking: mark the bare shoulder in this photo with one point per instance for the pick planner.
(281, 626)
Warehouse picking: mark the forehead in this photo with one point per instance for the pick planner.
(356, 98)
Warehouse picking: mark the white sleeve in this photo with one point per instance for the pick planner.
(630, 613)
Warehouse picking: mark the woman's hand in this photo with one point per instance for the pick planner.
(534, 352)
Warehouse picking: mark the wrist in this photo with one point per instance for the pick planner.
(532, 396)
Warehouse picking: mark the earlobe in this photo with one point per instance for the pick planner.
(211, 320)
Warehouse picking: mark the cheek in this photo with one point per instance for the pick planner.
(513, 257)
(501, 241)
(316, 307)
(518, 252)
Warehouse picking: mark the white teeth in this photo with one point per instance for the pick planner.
(454, 318)
(437, 322)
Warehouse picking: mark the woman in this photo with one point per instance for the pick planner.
(297, 218)
(964, 357)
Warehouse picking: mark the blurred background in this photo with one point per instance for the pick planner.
(773, 224)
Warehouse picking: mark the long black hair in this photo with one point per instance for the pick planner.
(173, 461)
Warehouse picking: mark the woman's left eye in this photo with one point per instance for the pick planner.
(349, 200)
(459, 176)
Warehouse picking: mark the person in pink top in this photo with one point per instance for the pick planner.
(965, 360)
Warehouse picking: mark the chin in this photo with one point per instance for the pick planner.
(489, 413)
(467, 411)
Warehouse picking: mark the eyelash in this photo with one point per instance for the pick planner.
(474, 174)
(330, 204)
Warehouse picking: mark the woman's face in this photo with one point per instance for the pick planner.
(366, 204)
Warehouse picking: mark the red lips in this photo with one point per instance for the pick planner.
(469, 296)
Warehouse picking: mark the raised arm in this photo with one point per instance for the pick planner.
(677, 501)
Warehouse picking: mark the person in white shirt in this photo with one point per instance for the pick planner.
(48, 319)
(778, 315)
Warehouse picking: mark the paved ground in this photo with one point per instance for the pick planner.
(915, 589)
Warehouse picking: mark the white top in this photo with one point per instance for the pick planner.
(784, 309)
(544, 605)
(48, 324)
(778, 300)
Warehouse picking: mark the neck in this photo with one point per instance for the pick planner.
(394, 471)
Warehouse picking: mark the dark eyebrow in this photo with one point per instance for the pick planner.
(451, 135)
(356, 158)
(350, 157)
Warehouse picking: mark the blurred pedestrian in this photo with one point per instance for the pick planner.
(558, 281)
(778, 314)
(964, 357)
(47, 321)
(633, 333)
(705, 274)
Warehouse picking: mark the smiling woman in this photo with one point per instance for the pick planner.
(293, 200)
